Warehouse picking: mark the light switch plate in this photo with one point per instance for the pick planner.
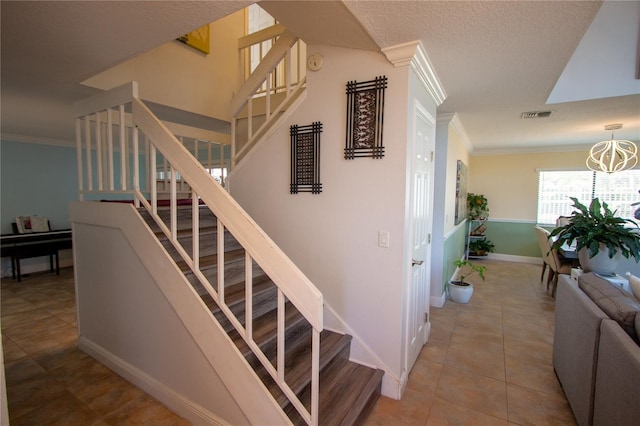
(383, 239)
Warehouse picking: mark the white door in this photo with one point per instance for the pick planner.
(421, 205)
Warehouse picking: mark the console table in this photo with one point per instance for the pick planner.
(23, 246)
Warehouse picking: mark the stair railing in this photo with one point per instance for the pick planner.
(275, 83)
(104, 127)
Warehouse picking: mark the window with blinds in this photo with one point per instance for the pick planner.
(619, 190)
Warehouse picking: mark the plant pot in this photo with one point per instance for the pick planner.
(460, 293)
(600, 263)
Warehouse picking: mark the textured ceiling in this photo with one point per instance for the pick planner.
(498, 59)
(495, 59)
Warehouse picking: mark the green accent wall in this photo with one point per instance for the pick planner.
(510, 238)
(513, 238)
(454, 249)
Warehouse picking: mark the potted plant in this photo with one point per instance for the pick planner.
(460, 291)
(599, 236)
(481, 247)
(477, 206)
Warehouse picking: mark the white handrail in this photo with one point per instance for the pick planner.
(292, 284)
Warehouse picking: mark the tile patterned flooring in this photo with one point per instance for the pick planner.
(51, 382)
(486, 363)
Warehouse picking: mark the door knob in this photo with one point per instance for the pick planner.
(416, 262)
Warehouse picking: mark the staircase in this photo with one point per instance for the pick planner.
(347, 390)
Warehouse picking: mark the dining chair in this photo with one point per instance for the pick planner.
(541, 233)
(552, 259)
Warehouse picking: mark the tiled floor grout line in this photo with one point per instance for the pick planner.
(528, 394)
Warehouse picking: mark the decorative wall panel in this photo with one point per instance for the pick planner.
(305, 158)
(365, 108)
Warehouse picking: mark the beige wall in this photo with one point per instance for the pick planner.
(177, 75)
(510, 181)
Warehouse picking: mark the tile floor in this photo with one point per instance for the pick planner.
(486, 363)
(51, 382)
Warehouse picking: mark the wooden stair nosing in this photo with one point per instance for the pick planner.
(211, 261)
(264, 329)
(234, 274)
(337, 385)
(264, 298)
(185, 239)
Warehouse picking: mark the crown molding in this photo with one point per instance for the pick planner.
(453, 120)
(414, 55)
(530, 150)
(41, 140)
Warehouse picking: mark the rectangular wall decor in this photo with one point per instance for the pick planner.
(305, 158)
(461, 192)
(365, 108)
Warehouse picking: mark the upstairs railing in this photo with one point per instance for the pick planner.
(214, 157)
(271, 85)
(104, 127)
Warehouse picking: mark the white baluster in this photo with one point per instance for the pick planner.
(220, 251)
(173, 206)
(136, 160)
(195, 230)
(98, 129)
(123, 151)
(79, 158)
(87, 133)
(154, 187)
(248, 299)
(110, 149)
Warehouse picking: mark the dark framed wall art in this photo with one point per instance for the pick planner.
(305, 158)
(461, 192)
(365, 118)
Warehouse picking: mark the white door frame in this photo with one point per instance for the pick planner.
(419, 113)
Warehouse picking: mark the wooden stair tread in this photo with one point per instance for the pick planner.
(264, 329)
(348, 392)
(211, 261)
(298, 362)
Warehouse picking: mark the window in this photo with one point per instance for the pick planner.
(219, 174)
(619, 190)
(258, 19)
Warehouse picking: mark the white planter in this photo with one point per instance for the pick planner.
(460, 293)
(600, 263)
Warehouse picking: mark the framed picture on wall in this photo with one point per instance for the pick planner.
(461, 192)
(198, 39)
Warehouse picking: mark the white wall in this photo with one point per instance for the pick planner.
(333, 236)
(143, 319)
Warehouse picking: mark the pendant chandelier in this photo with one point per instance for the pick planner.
(613, 155)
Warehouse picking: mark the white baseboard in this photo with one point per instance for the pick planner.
(175, 402)
(514, 258)
(438, 301)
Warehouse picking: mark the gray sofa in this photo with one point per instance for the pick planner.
(596, 354)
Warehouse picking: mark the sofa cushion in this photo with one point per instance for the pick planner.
(638, 325)
(619, 305)
(634, 283)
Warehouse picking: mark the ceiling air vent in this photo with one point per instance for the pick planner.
(536, 114)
